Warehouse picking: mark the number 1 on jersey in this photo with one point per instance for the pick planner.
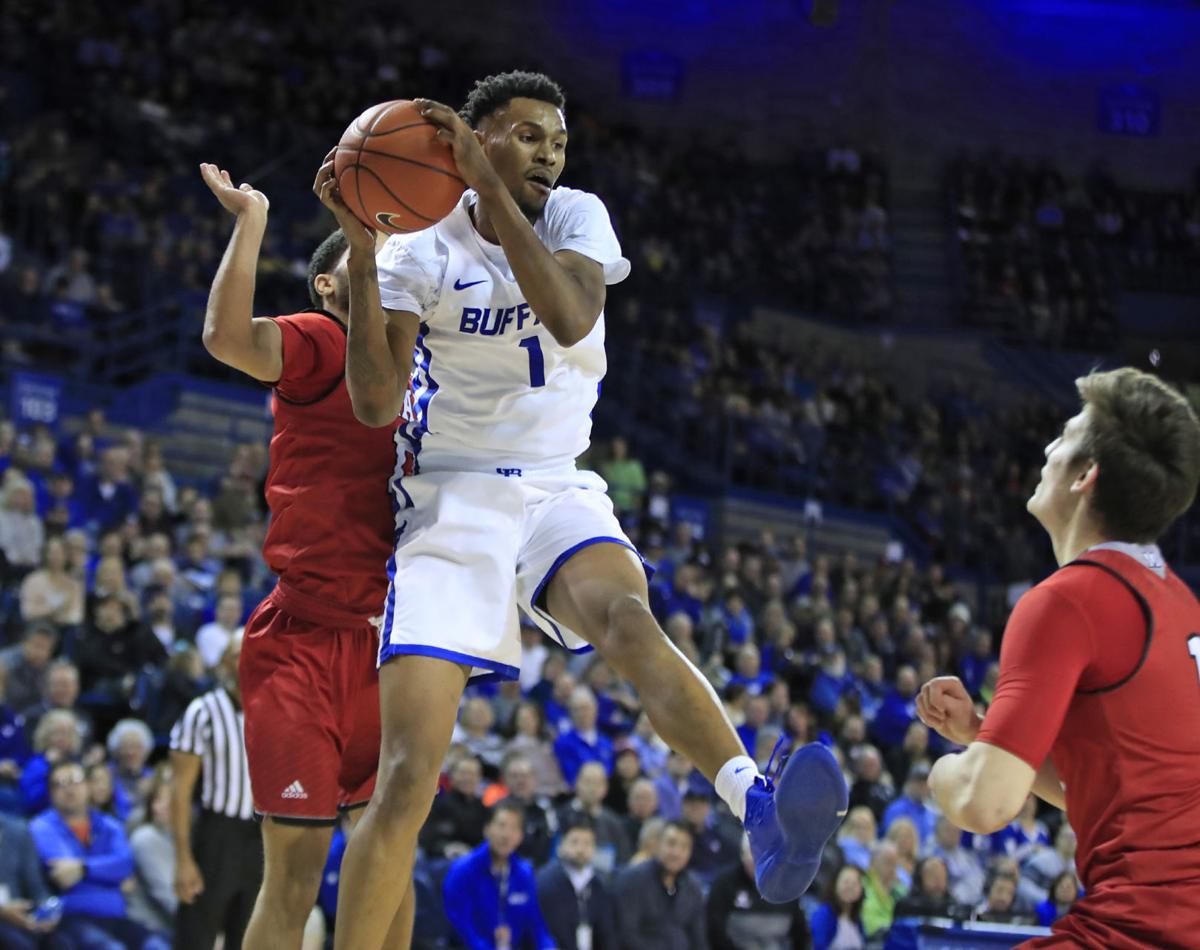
(1194, 650)
(537, 364)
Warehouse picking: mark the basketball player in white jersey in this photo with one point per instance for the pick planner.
(501, 304)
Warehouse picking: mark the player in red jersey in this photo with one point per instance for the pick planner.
(308, 676)
(1098, 705)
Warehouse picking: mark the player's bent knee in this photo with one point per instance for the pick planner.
(407, 784)
(630, 627)
(293, 890)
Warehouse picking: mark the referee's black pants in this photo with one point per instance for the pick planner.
(229, 853)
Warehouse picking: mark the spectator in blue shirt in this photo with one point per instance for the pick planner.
(491, 894)
(672, 784)
(965, 868)
(898, 710)
(739, 624)
(1064, 892)
(58, 738)
(685, 593)
(105, 795)
(858, 836)
(23, 887)
(913, 804)
(838, 921)
(758, 712)
(87, 856)
(748, 670)
(872, 688)
(830, 683)
(558, 699)
(1023, 835)
(652, 751)
(974, 666)
(583, 742)
(617, 706)
(110, 497)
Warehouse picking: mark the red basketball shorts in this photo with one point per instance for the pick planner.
(310, 695)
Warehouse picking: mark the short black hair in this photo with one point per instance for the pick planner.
(512, 805)
(579, 821)
(679, 825)
(324, 261)
(495, 92)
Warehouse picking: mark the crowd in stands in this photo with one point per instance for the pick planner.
(1043, 255)
(827, 428)
(121, 588)
(563, 820)
(102, 212)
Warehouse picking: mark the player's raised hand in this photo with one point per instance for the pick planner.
(241, 199)
(325, 187)
(473, 164)
(945, 706)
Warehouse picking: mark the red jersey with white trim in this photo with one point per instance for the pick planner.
(1100, 670)
(331, 512)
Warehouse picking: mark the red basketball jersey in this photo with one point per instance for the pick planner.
(1129, 755)
(1128, 752)
(331, 527)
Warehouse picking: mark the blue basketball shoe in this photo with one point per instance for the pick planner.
(790, 818)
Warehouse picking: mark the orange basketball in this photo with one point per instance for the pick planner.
(393, 171)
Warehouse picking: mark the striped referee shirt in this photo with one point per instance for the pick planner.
(211, 727)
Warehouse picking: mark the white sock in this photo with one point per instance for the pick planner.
(736, 775)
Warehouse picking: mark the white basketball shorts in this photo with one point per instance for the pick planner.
(474, 547)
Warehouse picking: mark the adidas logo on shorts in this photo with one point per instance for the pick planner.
(295, 790)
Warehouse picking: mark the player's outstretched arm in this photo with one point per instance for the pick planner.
(379, 343)
(566, 290)
(231, 333)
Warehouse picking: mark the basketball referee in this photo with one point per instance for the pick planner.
(219, 863)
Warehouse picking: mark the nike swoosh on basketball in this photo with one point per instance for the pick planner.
(459, 285)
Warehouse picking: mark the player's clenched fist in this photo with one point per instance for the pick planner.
(945, 706)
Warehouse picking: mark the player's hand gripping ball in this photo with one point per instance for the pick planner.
(394, 172)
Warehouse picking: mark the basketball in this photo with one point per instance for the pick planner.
(393, 171)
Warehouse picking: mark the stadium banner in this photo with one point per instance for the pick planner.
(35, 399)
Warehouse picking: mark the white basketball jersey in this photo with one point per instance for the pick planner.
(491, 387)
